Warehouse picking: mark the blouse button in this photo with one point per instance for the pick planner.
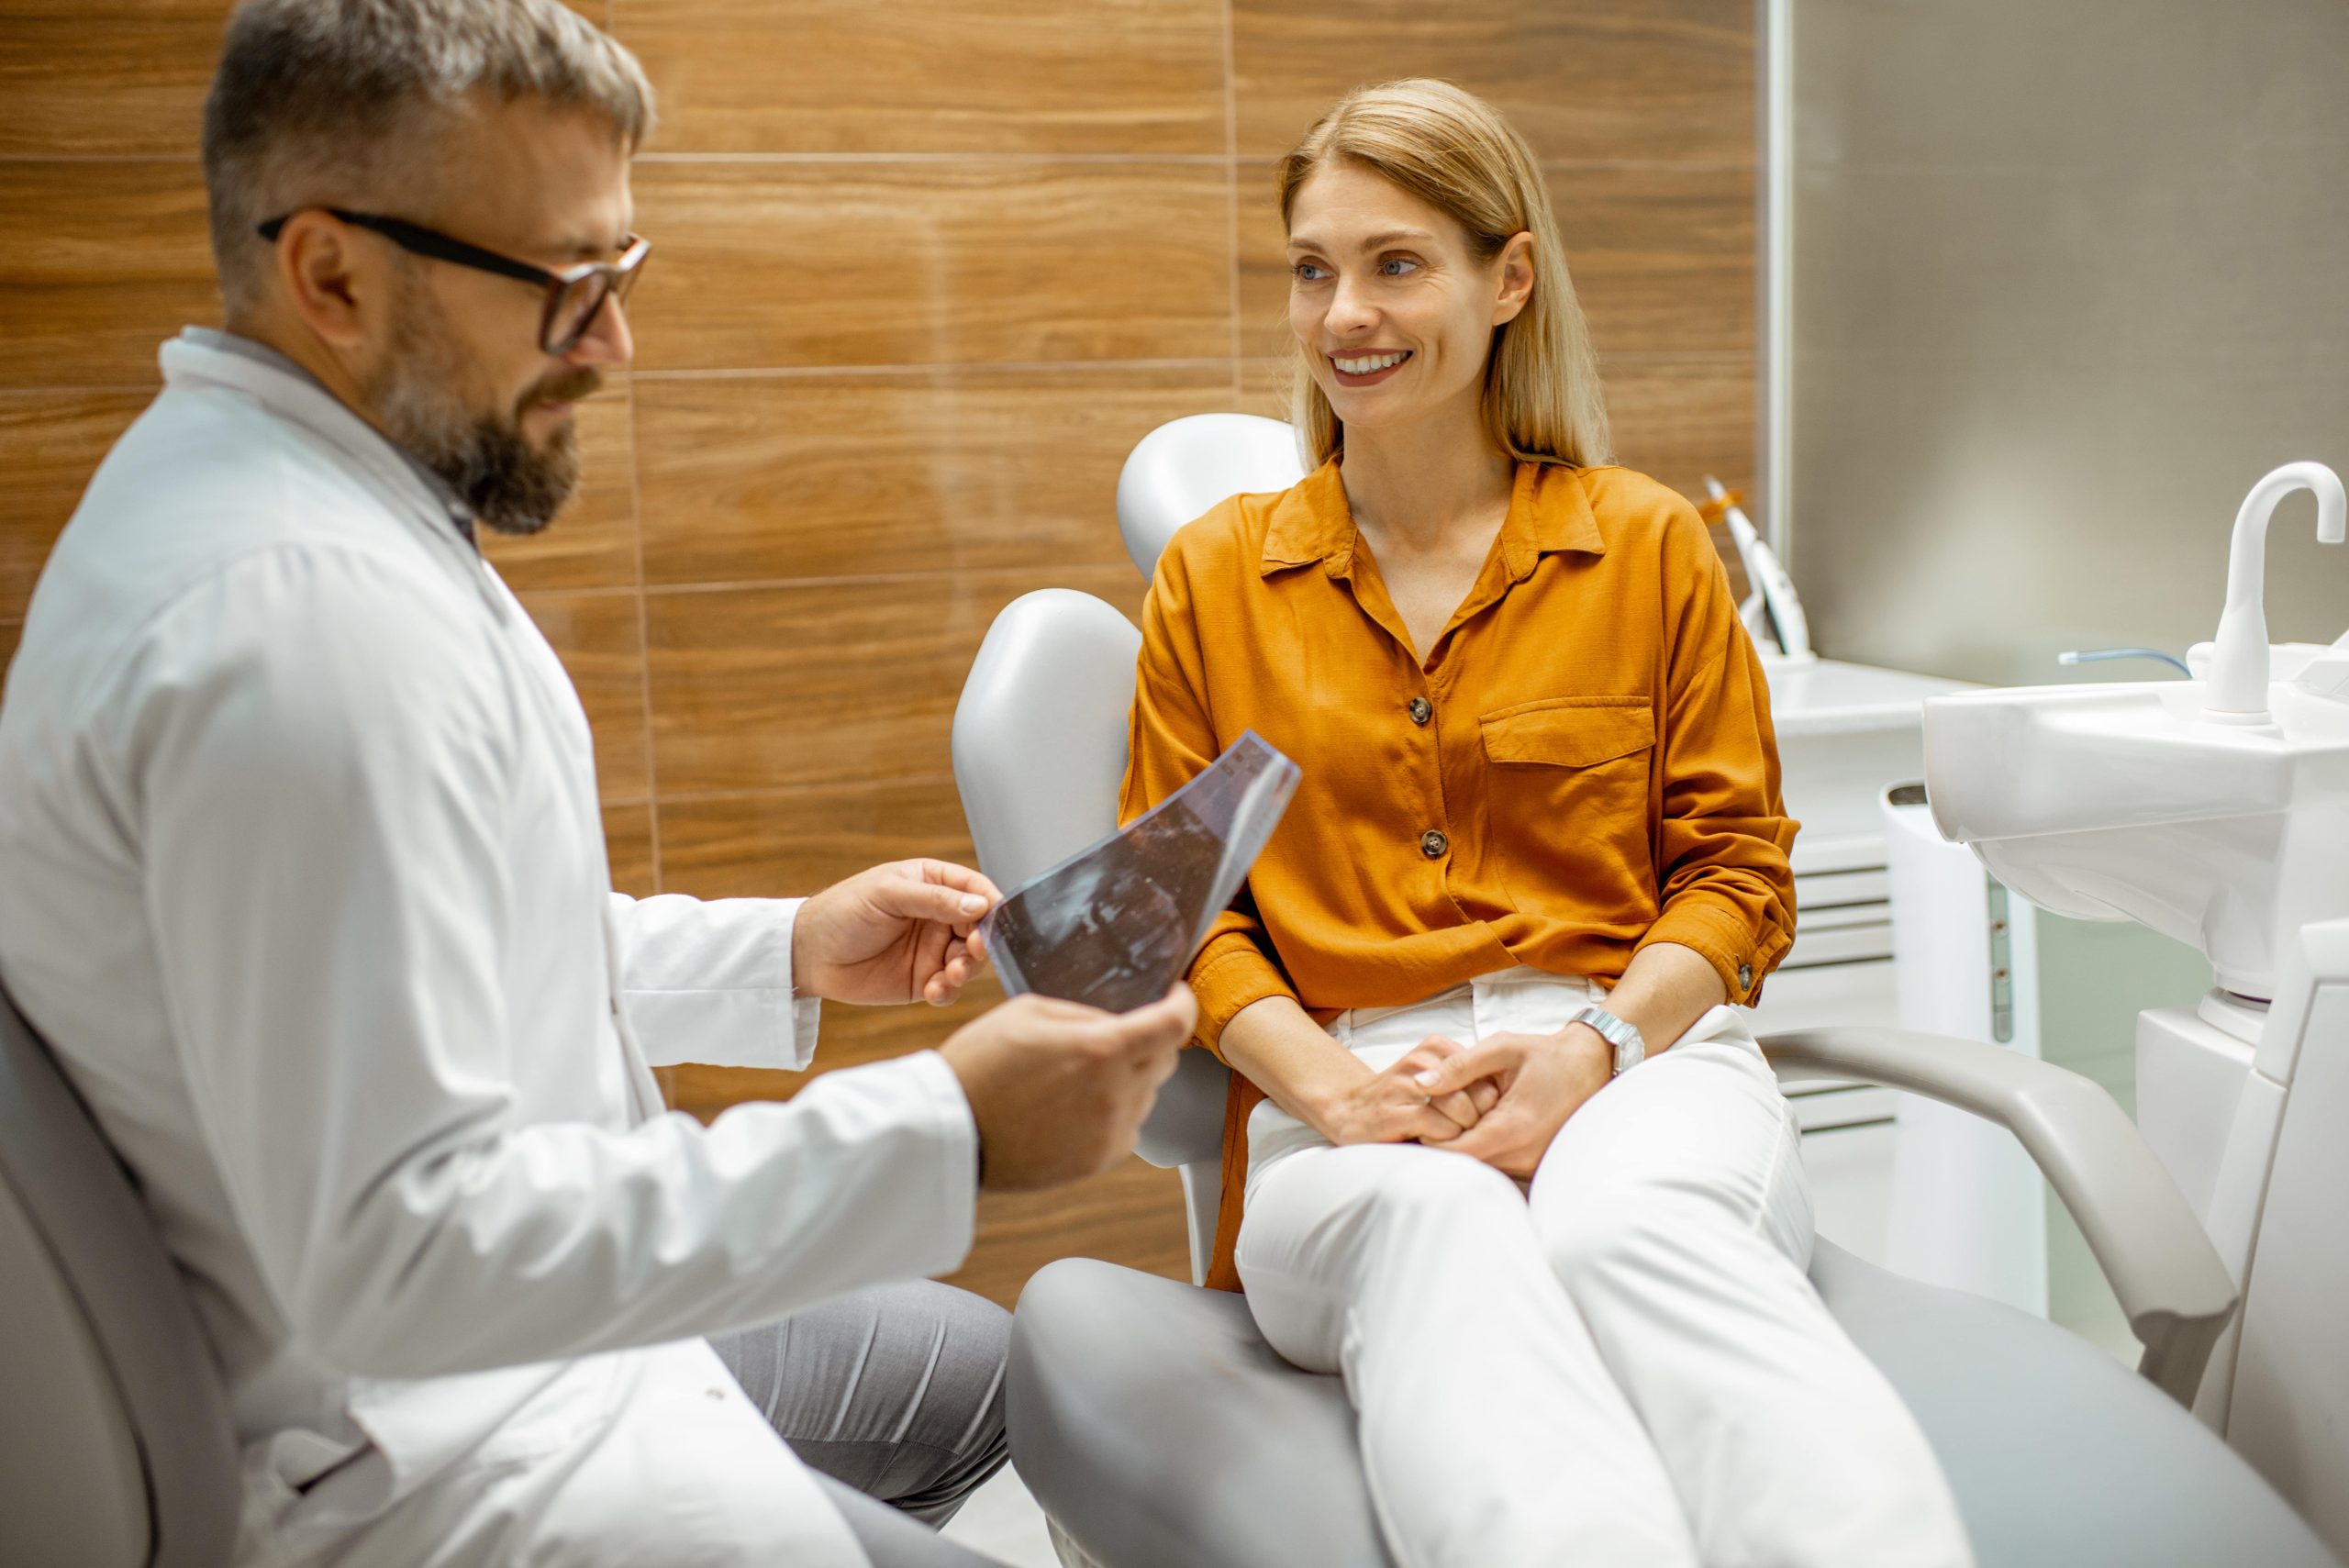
(1420, 710)
(1744, 976)
(1432, 844)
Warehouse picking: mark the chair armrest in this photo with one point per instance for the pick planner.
(2170, 1281)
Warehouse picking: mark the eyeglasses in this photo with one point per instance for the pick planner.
(574, 294)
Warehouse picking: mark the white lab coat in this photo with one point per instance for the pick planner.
(302, 874)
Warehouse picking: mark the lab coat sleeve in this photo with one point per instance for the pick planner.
(710, 981)
(315, 765)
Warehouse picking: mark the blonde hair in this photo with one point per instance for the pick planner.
(1453, 151)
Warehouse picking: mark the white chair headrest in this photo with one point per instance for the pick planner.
(1182, 469)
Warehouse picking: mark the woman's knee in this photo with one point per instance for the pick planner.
(1589, 1236)
(1412, 1185)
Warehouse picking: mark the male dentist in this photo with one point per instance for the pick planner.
(302, 874)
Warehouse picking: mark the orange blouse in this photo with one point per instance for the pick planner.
(1584, 764)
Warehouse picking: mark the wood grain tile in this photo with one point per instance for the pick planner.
(1611, 79)
(932, 76)
(930, 263)
(49, 445)
(796, 841)
(628, 845)
(751, 480)
(1681, 418)
(1662, 258)
(592, 543)
(108, 261)
(764, 687)
(597, 637)
(119, 78)
(1131, 1214)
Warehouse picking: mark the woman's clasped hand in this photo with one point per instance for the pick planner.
(1500, 1101)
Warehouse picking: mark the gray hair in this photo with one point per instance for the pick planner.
(339, 102)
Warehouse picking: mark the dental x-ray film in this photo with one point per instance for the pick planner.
(1114, 925)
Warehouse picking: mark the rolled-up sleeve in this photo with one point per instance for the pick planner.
(1723, 836)
(1170, 741)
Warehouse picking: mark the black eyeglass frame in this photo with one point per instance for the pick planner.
(617, 276)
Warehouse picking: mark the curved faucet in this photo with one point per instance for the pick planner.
(2239, 658)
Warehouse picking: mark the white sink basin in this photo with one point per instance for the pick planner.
(1844, 732)
(2127, 802)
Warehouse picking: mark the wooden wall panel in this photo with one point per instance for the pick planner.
(1681, 416)
(1067, 76)
(107, 260)
(1133, 1215)
(924, 272)
(1647, 81)
(10, 632)
(930, 261)
(746, 846)
(110, 77)
(49, 445)
(854, 476)
(627, 844)
(827, 683)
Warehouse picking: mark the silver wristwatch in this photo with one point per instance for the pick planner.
(1630, 1049)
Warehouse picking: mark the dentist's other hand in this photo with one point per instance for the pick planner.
(1392, 1107)
(1542, 1079)
(897, 932)
(1059, 1089)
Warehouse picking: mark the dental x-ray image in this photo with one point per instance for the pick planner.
(1114, 924)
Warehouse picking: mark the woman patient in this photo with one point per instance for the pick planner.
(1537, 855)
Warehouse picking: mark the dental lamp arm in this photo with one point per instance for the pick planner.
(2171, 1283)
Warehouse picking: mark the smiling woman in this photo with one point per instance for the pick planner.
(1449, 155)
(1492, 1085)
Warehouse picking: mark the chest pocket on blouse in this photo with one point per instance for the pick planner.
(1568, 808)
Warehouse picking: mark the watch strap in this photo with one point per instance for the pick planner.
(1631, 1049)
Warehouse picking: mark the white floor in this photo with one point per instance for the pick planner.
(1003, 1521)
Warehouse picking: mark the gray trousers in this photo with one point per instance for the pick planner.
(892, 1396)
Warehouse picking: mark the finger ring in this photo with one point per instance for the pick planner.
(1426, 1098)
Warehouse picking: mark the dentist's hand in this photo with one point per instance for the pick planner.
(1392, 1107)
(891, 934)
(1543, 1080)
(1059, 1089)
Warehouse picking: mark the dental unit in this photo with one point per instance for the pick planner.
(2214, 810)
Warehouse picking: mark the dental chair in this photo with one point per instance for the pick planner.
(116, 1445)
(1156, 1427)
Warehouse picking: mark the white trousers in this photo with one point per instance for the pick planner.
(1631, 1368)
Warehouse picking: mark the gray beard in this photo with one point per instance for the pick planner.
(511, 486)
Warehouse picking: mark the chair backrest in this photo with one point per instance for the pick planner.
(116, 1443)
(1040, 732)
(1183, 468)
